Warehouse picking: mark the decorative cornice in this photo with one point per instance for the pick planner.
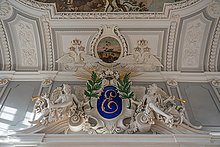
(5, 48)
(170, 45)
(49, 44)
(109, 15)
(214, 49)
(119, 139)
(144, 76)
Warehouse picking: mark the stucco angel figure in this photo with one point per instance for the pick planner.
(165, 107)
(154, 101)
(62, 103)
(63, 98)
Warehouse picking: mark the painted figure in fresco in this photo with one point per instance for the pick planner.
(109, 5)
(108, 49)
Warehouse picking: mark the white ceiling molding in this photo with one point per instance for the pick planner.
(214, 50)
(130, 140)
(5, 50)
(144, 76)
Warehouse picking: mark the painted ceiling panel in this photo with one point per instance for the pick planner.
(109, 5)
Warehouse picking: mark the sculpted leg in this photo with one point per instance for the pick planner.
(157, 110)
(61, 105)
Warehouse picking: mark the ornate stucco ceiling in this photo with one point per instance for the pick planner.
(184, 35)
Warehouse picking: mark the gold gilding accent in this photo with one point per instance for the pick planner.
(35, 97)
(183, 101)
(109, 101)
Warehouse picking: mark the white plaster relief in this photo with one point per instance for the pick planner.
(214, 9)
(193, 43)
(3, 82)
(46, 82)
(170, 46)
(5, 9)
(153, 41)
(154, 38)
(5, 48)
(216, 83)
(213, 56)
(63, 43)
(26, 44)
(172, 83)
(48, 42)
(76, 57)
(143, 56)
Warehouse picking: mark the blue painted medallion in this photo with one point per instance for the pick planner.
(109, 104)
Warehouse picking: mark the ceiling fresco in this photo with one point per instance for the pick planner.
(109, 5)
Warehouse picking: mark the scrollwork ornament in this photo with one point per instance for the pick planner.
(216, 83)
(214, 49)
(214, 9)
(77, 123)
(175, 17)
(5, 47)
(172, 83)
(3, 82)
(49, 46)
(5, 9)
(46, 82)
(170, 47)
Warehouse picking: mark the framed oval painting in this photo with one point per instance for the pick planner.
(109, 49)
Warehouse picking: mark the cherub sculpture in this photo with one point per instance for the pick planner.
(61, 103)
(65, 98)
(164, 107)
(154, 102)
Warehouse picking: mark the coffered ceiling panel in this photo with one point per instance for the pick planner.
(26, 43)
(193, 42)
